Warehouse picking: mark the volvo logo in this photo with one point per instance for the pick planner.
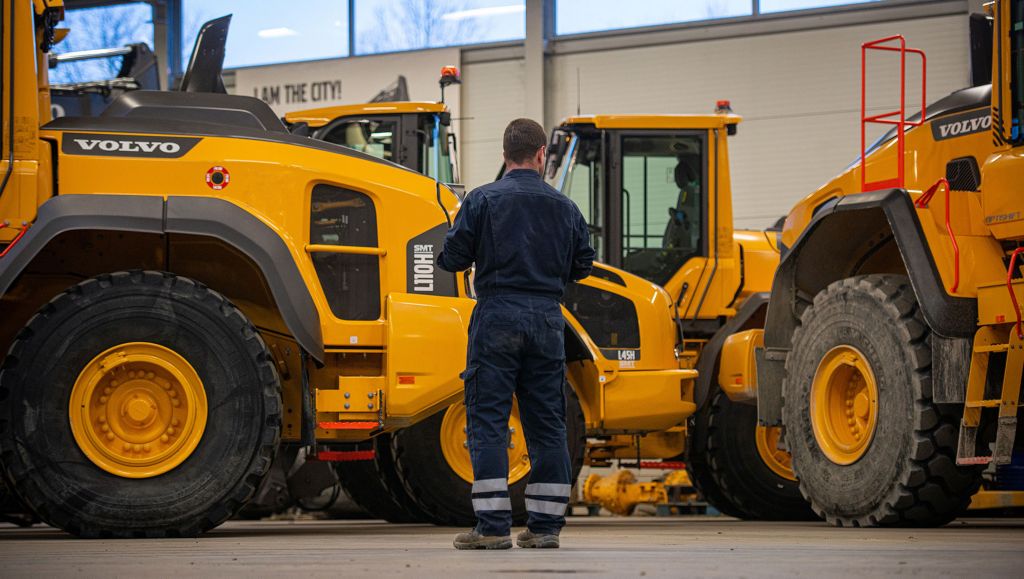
(126, 146)
(960, 125)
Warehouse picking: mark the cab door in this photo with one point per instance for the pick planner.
(658, 209)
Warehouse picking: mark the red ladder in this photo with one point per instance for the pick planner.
(900, 114)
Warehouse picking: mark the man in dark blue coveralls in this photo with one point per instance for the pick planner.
(528, 241)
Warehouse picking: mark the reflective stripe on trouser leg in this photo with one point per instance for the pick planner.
(548, 489)
(545, 507)
(491, 495)
(492, 504)
(547, 498)
(490, 485)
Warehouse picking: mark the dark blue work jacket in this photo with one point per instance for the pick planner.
(524, 236)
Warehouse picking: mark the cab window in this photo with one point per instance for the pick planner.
(375, 137)
(662, 201)
(1017, 73)
(436, 154)
(351, 282)
(583, 181)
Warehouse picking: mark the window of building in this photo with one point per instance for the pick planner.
(103, 27)
(767, 6)
(271, 31)
(393, 25)
(580, 16)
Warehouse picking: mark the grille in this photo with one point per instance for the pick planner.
(963, 174)
(609, 319)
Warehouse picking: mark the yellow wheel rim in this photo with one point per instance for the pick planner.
(138, 410)
(844, 405)
(779, 461)
(455, 445)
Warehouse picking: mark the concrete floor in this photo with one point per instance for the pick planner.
(599, 546)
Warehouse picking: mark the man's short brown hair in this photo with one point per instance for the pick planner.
(523, 138)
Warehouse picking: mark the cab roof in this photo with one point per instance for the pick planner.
(322, 116)
(710, 121)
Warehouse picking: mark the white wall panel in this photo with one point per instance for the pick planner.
(799, 94)
(492, 95)
(340, 81)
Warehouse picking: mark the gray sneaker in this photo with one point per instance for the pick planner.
(529, 540)
(474, 540)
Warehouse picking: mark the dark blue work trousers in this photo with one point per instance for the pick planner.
(516, 346)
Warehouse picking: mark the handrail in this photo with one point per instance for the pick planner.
(885, 118)
(922, 203)
(14, 241)
(350, 249)
(1009, 286)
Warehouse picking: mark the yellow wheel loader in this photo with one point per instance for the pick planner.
(414, 134)
(188, 289)
(406, 132)
(656, 192)
(891, 350)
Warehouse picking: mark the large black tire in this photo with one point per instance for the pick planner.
(13, 510)
(698, 465)
(441, 494)
(272, 496)
(375, 486)
(741, 474)
(41, 456)
(907, 475)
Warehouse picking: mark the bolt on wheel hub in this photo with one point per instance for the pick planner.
(138, 410)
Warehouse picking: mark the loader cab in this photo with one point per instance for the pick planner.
(653, 223)
(650, 188)
(415, 135)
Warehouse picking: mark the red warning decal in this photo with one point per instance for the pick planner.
(218, 178)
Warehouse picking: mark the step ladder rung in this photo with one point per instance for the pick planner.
(349, 425)
(992, 348)
(983, 403)
(344, 455)
(973, 460)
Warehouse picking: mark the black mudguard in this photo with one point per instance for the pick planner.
(831, 248)
(204, 216)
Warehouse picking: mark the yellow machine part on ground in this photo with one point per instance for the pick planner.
(620, 492)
